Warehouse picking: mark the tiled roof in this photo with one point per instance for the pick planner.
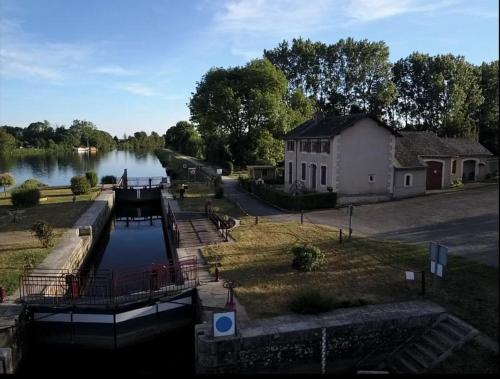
(329, 126)
(410, 146)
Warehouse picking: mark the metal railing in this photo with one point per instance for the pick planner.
(61, 288)
(173, 226)
(221, 224)
(141, 182)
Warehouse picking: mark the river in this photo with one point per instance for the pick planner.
(57, 169)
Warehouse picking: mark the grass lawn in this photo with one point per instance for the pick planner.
(16, 242)
(199, 193)
(361, 269)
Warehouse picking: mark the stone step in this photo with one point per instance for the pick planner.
(458, 324)
(434, 345)
(424, 350)
(421, 359)
(442, 338)
(408, 365)
(451, 331)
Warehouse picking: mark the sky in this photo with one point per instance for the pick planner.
(130, 65)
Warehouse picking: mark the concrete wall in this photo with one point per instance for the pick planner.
(365, 149)
(287, 343)
(77, 242)
(418, 182)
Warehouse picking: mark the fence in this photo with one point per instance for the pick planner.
(221, 224)
(108, 288)
(173, 226)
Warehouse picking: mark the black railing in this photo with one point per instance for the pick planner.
(60, 288)
(221, 223)
(141, 182)
(173, 226)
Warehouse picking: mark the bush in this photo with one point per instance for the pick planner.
(219, 192)
(108, 179)
(25, 196)
(307, 257)
(92, 178)
(312, 301)
(44, 233)
(7, 179)
(33, 183)
(80, 185)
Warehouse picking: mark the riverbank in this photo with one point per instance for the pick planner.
(17, 245)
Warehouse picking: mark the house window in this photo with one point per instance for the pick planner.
(290, 145)
(408, 180)
(454, 166)
(316, 146)
(305, 146)
(325, 147)
(304, 167)
(371, 178)
(289, 172)
(323, 175)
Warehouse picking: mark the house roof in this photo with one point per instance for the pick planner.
(330, 126)
(411, 146)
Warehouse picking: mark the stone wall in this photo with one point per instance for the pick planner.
(288, 343)
(77, 242)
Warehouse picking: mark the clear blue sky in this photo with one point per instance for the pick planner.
(130, 65)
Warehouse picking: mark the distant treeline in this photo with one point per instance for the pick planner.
(42, 135)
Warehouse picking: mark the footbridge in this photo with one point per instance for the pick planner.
(110, 309)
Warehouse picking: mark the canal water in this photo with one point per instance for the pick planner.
(57, 169)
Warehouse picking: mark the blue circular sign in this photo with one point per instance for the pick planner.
(223, 324)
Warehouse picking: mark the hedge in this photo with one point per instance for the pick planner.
(25, 196)
(80, 185)
(281, 199)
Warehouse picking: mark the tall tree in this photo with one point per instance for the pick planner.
(242, 106)
(488, 112)
(7, 142)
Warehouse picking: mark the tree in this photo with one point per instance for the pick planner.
(7, 179)
(184, 137)
(44, 232)
(488, 112)
(7, 142)
(240, 106)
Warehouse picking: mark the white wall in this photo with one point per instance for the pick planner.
(419, 176)
(365, 149)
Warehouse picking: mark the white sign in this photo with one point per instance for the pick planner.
(410, 275)
(224, 324)
(439, 270)
(219, 171)
(433, 267)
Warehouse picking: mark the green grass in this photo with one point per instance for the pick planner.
(365, 269)
(16, 241)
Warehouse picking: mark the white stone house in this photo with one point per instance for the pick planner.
(362, 159)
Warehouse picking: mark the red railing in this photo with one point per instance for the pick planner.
(108, 288)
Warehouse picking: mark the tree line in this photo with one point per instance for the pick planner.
(42, 135)
(241, 113)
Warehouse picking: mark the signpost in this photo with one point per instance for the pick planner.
(219, 171)
(350, 210)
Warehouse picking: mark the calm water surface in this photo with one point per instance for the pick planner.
(58, 169)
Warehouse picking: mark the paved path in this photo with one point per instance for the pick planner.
(466, 221)
(250, 204)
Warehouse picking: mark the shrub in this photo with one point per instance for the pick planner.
(33, 183)
(219, 192)
(7, 179)
(25, 196)
(311, 301)
(80, 185)
(44, 233)
(108, 179)
(307, 257)
(92, 178)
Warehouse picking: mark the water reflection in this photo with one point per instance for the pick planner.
(57, 168)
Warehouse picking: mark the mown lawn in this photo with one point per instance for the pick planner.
(17, 245)
(199, 193)
(361, 269)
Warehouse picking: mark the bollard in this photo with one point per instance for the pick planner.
(423, 283)
(340, 236)
(217, 272)
(256, 220)
(301, 217)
